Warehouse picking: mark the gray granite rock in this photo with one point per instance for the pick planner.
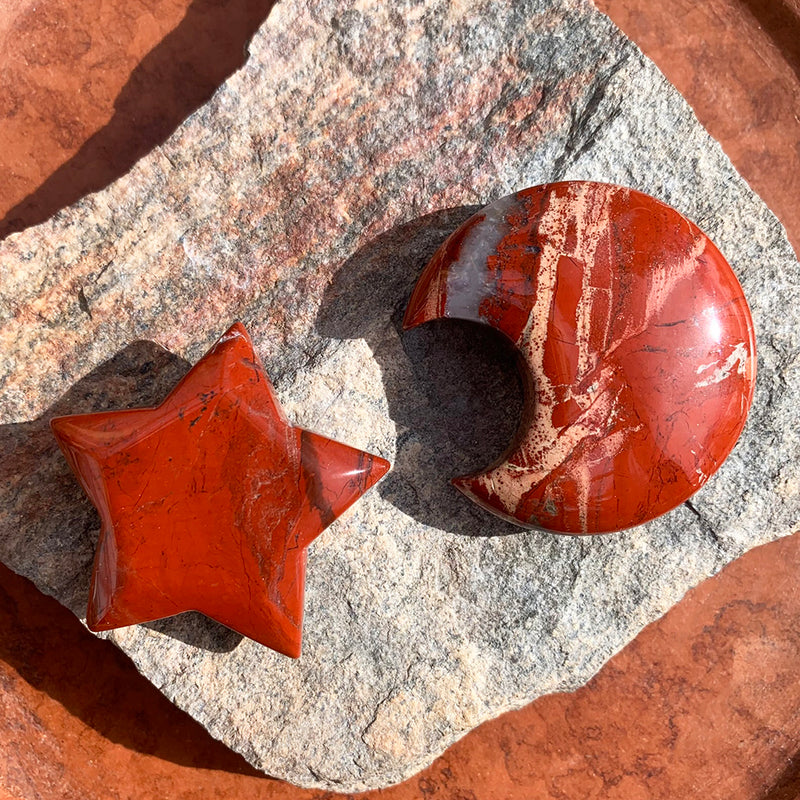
(304, 199)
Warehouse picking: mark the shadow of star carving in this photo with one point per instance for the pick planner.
(209, 501)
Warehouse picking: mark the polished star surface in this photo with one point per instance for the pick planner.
(209, 501)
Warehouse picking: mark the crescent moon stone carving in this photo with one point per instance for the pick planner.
(636, 344)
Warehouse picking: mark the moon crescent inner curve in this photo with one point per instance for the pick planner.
(637, 344)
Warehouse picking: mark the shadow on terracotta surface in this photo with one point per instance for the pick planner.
(97, 684)
(780, 20)
(456, 395)
(174, 79)
(47, 508)
(787, 787)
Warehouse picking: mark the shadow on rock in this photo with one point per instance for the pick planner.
(49, 528)
(199, 631)
(453, 388)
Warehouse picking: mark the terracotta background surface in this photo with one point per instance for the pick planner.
(704, 703)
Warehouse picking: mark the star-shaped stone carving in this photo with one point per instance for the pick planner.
(209, 501)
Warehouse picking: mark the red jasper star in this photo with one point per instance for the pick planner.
(209, 501)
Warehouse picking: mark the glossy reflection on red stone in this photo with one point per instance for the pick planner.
(209, 501)
(638, 343)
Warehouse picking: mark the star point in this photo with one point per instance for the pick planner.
(209, 501)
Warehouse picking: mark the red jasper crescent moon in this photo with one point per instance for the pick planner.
(637, 342)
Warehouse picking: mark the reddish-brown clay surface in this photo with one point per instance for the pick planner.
(637, 342)
(209, 501)
(703, 704)
(737, 62)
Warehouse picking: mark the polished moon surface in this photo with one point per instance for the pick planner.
(637, 350)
